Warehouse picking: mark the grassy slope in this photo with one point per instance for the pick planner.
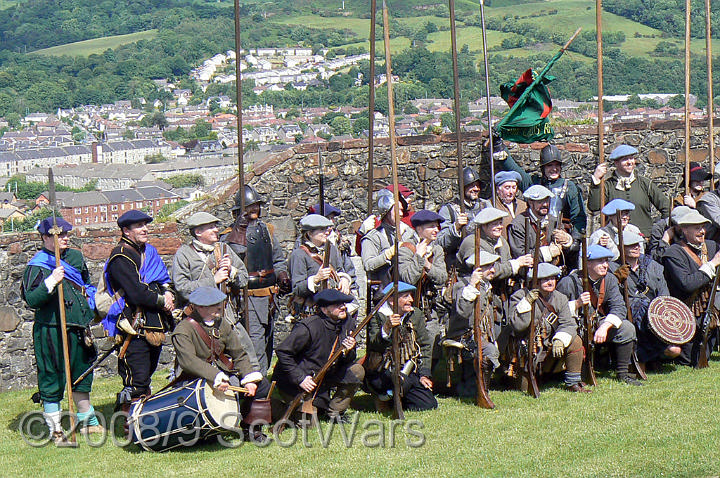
(96, 45)
(666, 427)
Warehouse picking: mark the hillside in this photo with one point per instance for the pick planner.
(92, 62)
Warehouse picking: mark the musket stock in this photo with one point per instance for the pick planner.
(318, 377)
(588, 370)
(482, 399)
(532, 386)
(710, 318)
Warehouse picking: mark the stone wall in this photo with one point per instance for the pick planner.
(427, 165)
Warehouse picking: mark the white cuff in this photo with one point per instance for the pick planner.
(470, 293)
(614, 320)
(523, 306)
(233, 273)
(352, 307)
(311, 283)
(50, 283)
(252, 377)
(595, 181)
(384, 334)
(564, 337)
(545, 253)
(345, 275)
(454, 231)
(220, 378)
(572, 306)
(708, 269)
(515, 265)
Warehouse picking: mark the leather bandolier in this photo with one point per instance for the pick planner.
(699, 301)
(302, 307)
(409, 349)
(487, 324)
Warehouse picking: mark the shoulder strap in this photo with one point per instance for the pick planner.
(313, 255)
(692, 254)
(213, 345)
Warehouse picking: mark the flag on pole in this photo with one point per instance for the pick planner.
(529, 121)
(530, 105)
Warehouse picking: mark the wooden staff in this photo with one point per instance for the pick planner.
(56, 231)
(241, 166)
(621, 245)
(687, 97)
(708, 58)
(371, 111)
(456, 88)
(601, 105)
(588, 369)
(487, 96)
(482, 398)
(397, 386)
(532, 386)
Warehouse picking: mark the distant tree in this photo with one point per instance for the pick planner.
(341, 125)
(155, 158)
(185, 180)
(677, 101)
(128, 134)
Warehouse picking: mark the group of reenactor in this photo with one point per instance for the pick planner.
(482, 293)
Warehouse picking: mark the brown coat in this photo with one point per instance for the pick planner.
(520, 207)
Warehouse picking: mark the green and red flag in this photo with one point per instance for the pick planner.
(529, 121)
(530, 104)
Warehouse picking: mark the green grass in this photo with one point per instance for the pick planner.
(96, 45)
(668, 427)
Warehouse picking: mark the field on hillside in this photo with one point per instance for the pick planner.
(669, 427)
(96, 45)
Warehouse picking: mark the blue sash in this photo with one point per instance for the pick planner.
(46, 260)
(152, 270)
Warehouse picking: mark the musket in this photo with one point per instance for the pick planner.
(532, 386)
(95, 364)
(396, 378)
(456, 89)
(621, 245)
(527, 248)
(707, 324)
(588, 370)
(56, 231)
(320, 374)
(482, 399)
(326, 263)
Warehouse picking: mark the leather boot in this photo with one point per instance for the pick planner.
(624, 356)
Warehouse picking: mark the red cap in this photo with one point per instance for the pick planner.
(402, 190)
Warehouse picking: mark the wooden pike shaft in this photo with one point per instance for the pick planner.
(710, 112)
(396, 212)
(487, 102)
(64, 336)
(456, 87)
(371, 109)
(687, 96)
(238, 90)
(601, 105)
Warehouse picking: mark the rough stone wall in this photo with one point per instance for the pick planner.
(427, 165)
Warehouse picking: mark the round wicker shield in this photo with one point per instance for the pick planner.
(671, 320)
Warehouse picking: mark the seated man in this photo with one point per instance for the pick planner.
(607, 236)
(208, 347)
(690, 267)
(415, 352)
(645, 281)
(468, 290)
(665, 232)
(555, 325)
(309, 345)
(606, 306)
